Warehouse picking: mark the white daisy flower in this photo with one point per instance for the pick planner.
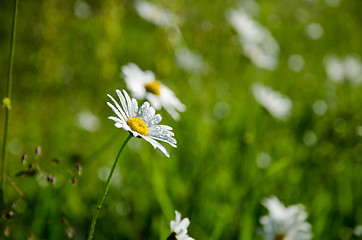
(179, 228)
(142, 122)
(257, 42)
(285, 223)
(190, 60)
(143, 85)
(274, 102)
(87, 121)
(348, 69)
(155, 14)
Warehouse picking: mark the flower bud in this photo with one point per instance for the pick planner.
(70, 232)
(38, 150)
(23, 158)
(73, 180)
(56, 160)
(51, 179)
(9, 214)
(79, 168)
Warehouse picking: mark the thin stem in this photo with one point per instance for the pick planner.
(101, 200)
(7, 107)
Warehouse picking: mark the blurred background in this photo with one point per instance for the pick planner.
(232, 151)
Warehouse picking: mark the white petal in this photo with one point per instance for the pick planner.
(166, 127)
(146, 112)
(174, 114)
(168, 96)
(143, 109)
(160, 133)
(154, 100)
(156, 144)
(178, 217)
(155, 120)
(131, 112)
(135, 106)
(123, 102)
(117, 120)
(118, 112)
(182, 226)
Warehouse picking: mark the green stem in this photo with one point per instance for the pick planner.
(101, 200)
(7, 107)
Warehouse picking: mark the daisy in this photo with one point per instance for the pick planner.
(142, 122)
(179, 228)
(143, 85)
(190, 61)
(348, 69)
(155, 14)
(285, 223)
(257, 42)
(274, 102)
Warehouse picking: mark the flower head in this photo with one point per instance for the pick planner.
(348, 69)
(275, 103)
(285, 223)
(155, 14)
(179, 228)
(142, 122)
(190, 61)
(257, 42)
(143, 85)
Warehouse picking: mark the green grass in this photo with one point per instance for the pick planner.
(64, 65)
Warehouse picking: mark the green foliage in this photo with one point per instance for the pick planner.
(64, 65)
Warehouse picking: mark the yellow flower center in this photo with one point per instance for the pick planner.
(279, 236)
(137, 125)
(153, 87)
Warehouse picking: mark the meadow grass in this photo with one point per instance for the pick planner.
(65, 65)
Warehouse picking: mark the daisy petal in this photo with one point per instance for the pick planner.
(156, 144)
(155, 120)
(129, 105)
(118, 112)
(146, 112)
(135, 106)
(118, 107)
(123, 102)
(179, 228)
(117, 120)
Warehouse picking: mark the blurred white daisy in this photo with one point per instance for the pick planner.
(155, 14)
(190, 61)
(275, 103)
(143, 85)
(142, 122)
(347, 69)
(179, 228)
(314, 31)
(257, 42)
(285, 223)
(88, 121)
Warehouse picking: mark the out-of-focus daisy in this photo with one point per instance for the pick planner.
(347, 69)
(257, 42)
(190, 61)
(285, 223)
(142, 122)
(82, 9)
(179, 228)
(274, 102)
(88, 121)
(155, 14)
(143, 85)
